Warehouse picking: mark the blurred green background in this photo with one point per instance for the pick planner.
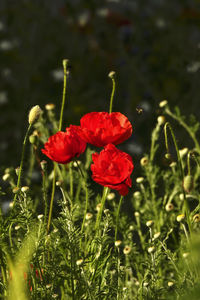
(154, 47)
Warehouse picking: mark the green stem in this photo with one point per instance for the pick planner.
(112, 94)
(188, 162)
(22, 161)
(52, 197)
(71, 180)
(186, 209)
(187, 128)
(103, 200)
(65, 62)
(117, 217)
(86, 205)
(44, 195)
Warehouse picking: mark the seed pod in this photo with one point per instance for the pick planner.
(188, 183)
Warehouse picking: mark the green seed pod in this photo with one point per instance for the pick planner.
(188, 183)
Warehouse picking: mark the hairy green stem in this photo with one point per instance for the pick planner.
(52, 197)
(65, 61)
(112, 94)
(186, 209)
(103, 200)
(117, 217)
(187, 128)
(22, 161)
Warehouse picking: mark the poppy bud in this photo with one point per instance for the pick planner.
(118, 243)
(180, 218)
(50, 106)
(188, 183)
(163, 103)
(150, 223)
(34, 114)
(111, 74)
(161, 120)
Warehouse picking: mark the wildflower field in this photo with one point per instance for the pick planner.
(92, 226)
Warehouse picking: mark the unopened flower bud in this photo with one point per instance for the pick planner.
(181, 196)
(49, 106)
(196, 218)
(79, 262)
(111, 196)
(59, 183)
(118, 243)
(43, 165)
(137, 195)
(111, 74)
(88, 216)
(17, 171)
(170, 283)
(24, 189)
(144, 161)
(169, 207)
(65, 62)
(16, 190)
(180, 218)
(137, 214)
(183, 152)
(168, 157)
(156, 235)
(161, 120)
(98, 207)
(185, 254)
(127, 250)
(76, 163)
(139, 179)
(17, 227)
(163, 103)
(5, 177)
(40, 217)
(188, 183)
(151, 249)
(149, 223)
(34, 114)
(173, 164)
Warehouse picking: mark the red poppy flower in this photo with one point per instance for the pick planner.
(112, 168)
(62, 147)
(102, 128)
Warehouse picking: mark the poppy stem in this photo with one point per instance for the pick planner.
(103, 200)
(185, 208)
(65, 62)
(117, 217)
(52, 197)
(112, 76)
(22, 161)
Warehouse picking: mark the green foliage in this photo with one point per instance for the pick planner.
(76, 259)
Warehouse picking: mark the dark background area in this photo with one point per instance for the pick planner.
(153, 46)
